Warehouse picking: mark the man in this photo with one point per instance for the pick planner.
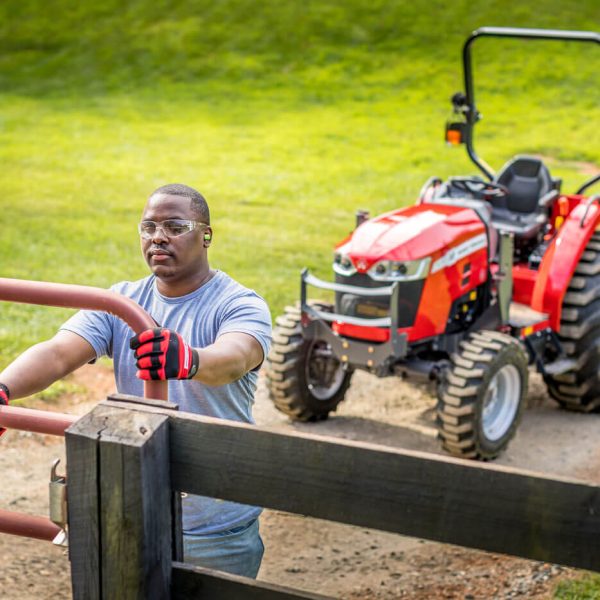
(214, 334)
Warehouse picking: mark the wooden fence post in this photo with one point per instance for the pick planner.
(120, 505)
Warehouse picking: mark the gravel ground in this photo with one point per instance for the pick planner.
(329, 558)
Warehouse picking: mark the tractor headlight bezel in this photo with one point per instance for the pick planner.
(405, 270)
(342, 264)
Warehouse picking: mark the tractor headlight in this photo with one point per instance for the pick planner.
(390, 270)
(342, 264)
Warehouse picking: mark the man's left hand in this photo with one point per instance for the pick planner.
(4, 396)
(163, 354)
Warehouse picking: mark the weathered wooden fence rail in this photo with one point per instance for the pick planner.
(128, 460)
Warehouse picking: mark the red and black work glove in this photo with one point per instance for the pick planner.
(163, 354)
(4, 396)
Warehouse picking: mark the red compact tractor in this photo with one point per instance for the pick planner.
(483, 277)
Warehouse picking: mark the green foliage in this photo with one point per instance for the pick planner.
(108, 45)
(287, 115)
(586, 588)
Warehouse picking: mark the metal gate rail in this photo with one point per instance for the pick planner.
(52, 423)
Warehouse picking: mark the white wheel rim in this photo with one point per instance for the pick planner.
(501, 402)
(325, 381)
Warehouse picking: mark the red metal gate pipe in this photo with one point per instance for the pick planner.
(70, 296)
(40, 528)
(38, 421)
(91, 298)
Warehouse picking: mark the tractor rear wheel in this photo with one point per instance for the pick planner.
(579, 388)
(482, 395)
(305, 380)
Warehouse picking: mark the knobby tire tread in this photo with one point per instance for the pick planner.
(579, 388)
(460, 393)
(285, 371)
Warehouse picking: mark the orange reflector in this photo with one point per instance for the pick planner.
(453, 137)
(558, 222)
(563, 206)
(527, 331)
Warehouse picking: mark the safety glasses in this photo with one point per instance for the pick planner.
(171, 228)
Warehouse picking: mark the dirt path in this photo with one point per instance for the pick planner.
(337, 560)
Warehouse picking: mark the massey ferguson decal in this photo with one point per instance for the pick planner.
(455, 254)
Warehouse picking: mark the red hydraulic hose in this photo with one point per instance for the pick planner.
(40, 528)
(91, 298)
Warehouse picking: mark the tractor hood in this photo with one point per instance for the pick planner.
(408, 234)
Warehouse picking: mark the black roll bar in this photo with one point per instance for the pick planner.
(470, 109)
(588, 184)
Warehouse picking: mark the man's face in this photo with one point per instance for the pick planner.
(173, 259)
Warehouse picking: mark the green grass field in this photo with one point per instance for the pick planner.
(288, 116)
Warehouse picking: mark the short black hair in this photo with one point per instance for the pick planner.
(199, 204)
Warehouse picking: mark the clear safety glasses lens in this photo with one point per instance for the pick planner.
(171, 228)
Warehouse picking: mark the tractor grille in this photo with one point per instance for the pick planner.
(371, 307)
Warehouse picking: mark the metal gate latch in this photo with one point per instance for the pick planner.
(58, 504)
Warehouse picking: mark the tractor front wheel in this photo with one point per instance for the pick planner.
(305, 380)
(482, 396)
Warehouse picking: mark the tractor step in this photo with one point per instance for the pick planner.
(560, 366)
(521, 315)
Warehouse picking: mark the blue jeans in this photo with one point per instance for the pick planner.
(238, 551)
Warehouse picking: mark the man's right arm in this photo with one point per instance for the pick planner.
(46, 362)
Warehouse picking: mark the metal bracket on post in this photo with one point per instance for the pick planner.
(58, 504)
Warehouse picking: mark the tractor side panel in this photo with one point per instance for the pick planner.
(524, 280)
(561, 258)
(442, 288)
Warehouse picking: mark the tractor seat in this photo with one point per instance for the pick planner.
(525, 209)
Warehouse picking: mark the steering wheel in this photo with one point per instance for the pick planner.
(478, 187)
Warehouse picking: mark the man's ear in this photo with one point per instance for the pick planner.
(207, 237)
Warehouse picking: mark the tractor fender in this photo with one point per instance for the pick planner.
(559, 262)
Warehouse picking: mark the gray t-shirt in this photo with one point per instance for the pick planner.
(219, 306)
